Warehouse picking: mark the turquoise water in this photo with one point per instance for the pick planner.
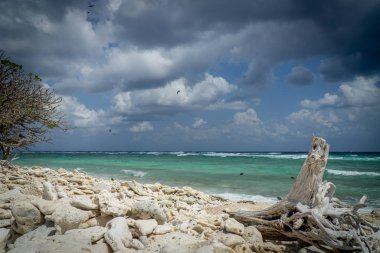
(254, 176)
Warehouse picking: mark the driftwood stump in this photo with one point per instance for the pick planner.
(310, 212)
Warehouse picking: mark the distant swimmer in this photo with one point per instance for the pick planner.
(178, 91)
(241, 173)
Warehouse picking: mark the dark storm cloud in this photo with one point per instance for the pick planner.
(62, 41)
(342, 31)
(300, 76)
(169, 23)
(48, 37)
(352, 28)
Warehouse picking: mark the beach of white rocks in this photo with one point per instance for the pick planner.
(44, 210)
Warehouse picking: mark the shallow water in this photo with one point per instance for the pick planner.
(254, 176)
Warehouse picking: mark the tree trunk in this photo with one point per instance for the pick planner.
(6, 152)
(311, 214)
(311, 174)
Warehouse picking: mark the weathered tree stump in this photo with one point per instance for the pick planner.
(310, 212)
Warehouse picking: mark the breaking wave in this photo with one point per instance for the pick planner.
(134, 173)
(353, 173)
(239, 197)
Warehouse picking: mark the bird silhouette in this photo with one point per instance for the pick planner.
(90, 5)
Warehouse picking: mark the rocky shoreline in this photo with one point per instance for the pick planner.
(45, 210)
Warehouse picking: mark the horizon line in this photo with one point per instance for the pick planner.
(177, 151)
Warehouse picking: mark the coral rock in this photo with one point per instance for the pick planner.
(230, 240)
(94, 234)
(96, 221)
(5, 223)
(252, 235)
(27, 216)
(8, 196)
(40, 233)
(46, 207)
(147, 210)
(233, 226)
(5, 214)
(118, 235)
(243, 248)
(83, 202)
(67, 217)
(146, 227)
(49, 192)
(114, 204)
(4, 234)
(163, 229)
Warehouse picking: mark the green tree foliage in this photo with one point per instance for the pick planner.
(28, 110)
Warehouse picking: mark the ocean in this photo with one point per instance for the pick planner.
(237, 176)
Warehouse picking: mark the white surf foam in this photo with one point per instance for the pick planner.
(150, 153)
(223, 154)
(134, 173)
(354, 158)
(239, 197)
(353, 173)
(187, 154)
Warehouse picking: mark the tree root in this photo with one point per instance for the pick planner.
(310, 212)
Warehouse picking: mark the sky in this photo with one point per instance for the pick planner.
(203, 75)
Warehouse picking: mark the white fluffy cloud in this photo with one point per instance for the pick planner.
(246, 123)
(316, 118)
(176, 96)
(141, 127)
(327, 100)
(245, 126)
(249, 123)
(247, 118)
(198, 123)
(354, 101)
(360, 92)
(79, 116)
